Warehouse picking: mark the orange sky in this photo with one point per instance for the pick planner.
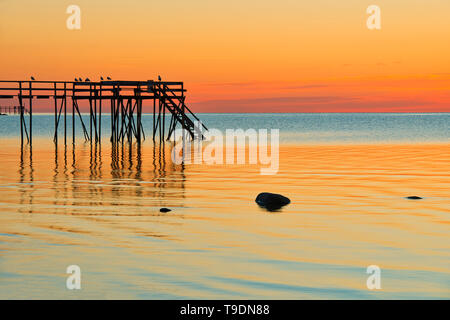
(243, 55)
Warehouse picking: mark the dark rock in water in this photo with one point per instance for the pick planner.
(164, 210)
(271, 201)
(414, 198)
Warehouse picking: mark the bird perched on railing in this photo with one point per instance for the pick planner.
(79, 79)
(32, 78)
(76, 80)
(159, 77)
(87, 80)
(109, 78)
(101, 78)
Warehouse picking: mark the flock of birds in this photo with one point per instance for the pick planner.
(88, 80)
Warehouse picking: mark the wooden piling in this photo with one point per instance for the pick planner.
(65, 114)
(31, 114)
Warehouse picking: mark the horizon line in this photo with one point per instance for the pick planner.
(312, 112)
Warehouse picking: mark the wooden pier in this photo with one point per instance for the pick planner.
(4, 110)
(123, 99)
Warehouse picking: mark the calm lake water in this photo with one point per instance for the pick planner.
(347, 176)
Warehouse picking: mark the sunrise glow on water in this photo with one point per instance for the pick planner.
(100, 209)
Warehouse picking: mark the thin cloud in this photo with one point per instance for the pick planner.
(306, 86)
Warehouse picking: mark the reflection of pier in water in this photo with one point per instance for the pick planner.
(91, 181)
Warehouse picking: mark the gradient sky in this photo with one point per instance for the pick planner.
(243, 55)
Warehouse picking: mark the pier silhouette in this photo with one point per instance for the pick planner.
(123, 99)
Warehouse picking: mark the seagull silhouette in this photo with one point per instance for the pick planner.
(32, 78)
(159, 77)
(108, 78)
(87, 80)
(76, 80)
(79, 79)
(101, 78)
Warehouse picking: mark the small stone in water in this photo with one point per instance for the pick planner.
(413, 198)
(271, 201)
